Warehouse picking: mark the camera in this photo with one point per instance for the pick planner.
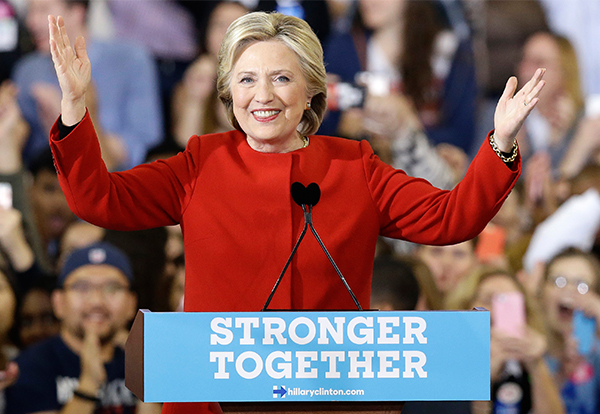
(6, 196)
(345, 95)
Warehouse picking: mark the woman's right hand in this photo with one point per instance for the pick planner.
(497, 355)
(13, 130)
(570, 358)
(9, 376)
(528, 349)
(73, 70)
(386, 115)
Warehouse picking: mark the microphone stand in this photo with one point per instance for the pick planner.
(289, 260)
(314, 232)
(308, 222)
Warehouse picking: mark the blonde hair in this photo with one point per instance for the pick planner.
(570, 68)
(467, 290)
(296, 34)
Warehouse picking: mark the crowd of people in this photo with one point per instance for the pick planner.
(413, 78)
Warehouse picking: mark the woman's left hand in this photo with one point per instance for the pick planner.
(570, 358)
(9, 376)
(498, 356)
(513, 108)
(534, 346)
(386, 115)
(528, 349)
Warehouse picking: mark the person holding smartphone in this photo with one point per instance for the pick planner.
(521, 379)
(571, 300)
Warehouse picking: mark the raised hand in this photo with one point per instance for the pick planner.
(13, 130)
(583, 147)
(497, 354)
(532, 281)
(387, 114)
(528, 349)
(13, 241)
(570, 358)
(73, 70)
(10, 114)
(513, 108)
(9, 375)
(93, 373)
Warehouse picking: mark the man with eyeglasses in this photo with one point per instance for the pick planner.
(82, 370)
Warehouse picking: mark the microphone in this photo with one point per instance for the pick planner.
(298, 193)
(307, 197)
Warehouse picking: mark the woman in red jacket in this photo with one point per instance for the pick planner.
(231, 191)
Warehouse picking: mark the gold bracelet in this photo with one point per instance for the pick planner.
(513, 153)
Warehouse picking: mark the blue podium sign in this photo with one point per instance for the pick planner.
(315, 356)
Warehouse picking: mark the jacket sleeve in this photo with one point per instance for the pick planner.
(412, 209)
(147, 196)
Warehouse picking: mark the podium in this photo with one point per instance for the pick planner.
(305, 361)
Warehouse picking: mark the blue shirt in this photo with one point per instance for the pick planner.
(126, 84)
(49, 373)
(581, 391)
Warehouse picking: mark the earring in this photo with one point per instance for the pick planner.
(308, 105)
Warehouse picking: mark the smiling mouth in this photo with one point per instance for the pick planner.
(265, 115)
(96, 317)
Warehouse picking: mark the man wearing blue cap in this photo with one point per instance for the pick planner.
(82, 370)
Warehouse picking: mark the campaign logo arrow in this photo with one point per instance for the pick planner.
(279, 392)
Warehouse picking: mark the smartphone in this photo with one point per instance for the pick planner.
(508, 313)
(584, 331)
(377, 84)
(342, 96)
(592, 105)
(491, 243)
(6, 196)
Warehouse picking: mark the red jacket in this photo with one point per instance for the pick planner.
(240, 223)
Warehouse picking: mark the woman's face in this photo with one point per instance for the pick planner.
(563, 289)
(448, 264)
(8, 303)
(377, 14)
(542, 51)
(491, 286)
(222, 16)
(269, 95)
